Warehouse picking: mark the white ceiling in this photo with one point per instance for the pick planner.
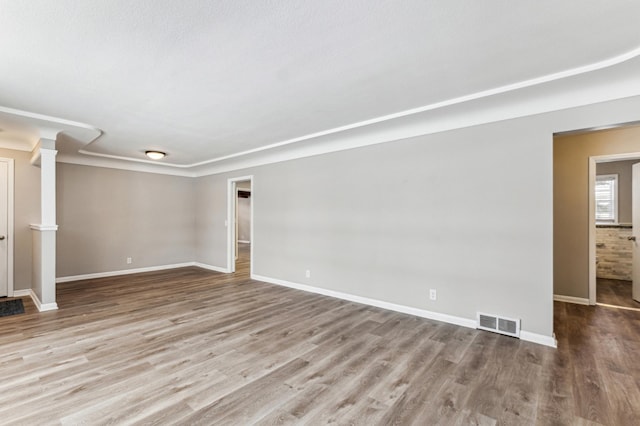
(204, 80)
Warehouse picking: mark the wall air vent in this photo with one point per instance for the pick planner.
(497, 324)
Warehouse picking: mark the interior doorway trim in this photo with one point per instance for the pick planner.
(232, 194)
(10, 223)
(592, 213)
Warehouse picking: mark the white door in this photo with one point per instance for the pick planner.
(635, 222)
(4, 228)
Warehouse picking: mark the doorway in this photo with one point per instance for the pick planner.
(613, 209)
(575, 154)
(240, 238)
(6, 227)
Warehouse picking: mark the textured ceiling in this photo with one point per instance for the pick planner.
(206, 79)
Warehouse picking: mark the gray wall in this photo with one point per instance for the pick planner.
(211, 214)
(416, 221)
(350, 217)
(623, 170)
(26, 212)
(357, 230)
(571, 201)
(107, 215)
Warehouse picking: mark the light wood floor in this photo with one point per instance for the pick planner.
(189, 346)
(615, 292)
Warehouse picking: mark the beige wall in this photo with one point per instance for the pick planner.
(211, 214)
(571, 201)
(26, 212)
(623, 170)
(107, 215)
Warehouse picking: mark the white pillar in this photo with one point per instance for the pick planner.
(44, 233)
(48, 186)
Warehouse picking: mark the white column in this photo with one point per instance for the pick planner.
(48, 187)
(44, 233)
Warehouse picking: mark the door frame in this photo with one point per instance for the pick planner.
(232, 196)
(592, 212)
(10, 223)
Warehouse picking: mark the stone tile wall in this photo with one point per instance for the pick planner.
(613, 251)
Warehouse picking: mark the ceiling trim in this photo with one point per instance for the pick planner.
(613, 78)
(603, 85)
(616, 60)
(137, 160)
(459, 100)
(61, 122)
(128, 165)
(598, 128)
(48, 127)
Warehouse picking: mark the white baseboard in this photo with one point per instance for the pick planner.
(570, 299)
(211, 267)
(451, 319)
(437, 316)
(36, 301)
(122, 272)
(42, 307)
(540, 339)
(244, 241)
(464, 322)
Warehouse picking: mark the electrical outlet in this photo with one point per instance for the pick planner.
(308, 273)
(129, 260)
(432, 294)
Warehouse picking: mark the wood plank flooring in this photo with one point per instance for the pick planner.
(615, 292)
(190, 346)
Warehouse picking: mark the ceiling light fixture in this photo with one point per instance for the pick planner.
(155, 155)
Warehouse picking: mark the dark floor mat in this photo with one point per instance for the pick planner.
(11, 307)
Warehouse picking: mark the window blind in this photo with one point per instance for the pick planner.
(606, 198)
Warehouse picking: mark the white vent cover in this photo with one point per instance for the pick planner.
(498, 324)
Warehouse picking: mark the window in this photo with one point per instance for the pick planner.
(607, 198)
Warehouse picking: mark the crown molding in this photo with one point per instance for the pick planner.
(614, 78)
(45, 127)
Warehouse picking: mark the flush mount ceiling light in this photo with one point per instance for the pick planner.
(155, 155)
